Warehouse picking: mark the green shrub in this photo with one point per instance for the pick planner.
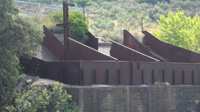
(152, 1)
(8, 80)
(19, 36)
(115, 9)
(180, 30)
(18, 66)
(78, 27)
(155, 13)
(133, 14)
(56, 17)
(42, 99)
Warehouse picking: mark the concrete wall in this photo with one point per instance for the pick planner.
(136, 98)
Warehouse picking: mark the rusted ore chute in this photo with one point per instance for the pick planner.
(66, 22)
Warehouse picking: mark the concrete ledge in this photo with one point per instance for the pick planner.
(101, 98)
(144, 98)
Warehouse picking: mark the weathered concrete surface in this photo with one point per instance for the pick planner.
(136, 98)
(104, 98)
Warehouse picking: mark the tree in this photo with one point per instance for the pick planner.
(155, 12)
(82, 3)
(152, 1)
(180, 30)
(78, 27)
(43, 99)
(18, 36)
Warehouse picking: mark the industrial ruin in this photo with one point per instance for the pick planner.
(133, 63)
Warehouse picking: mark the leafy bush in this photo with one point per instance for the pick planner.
(133, 14)
(19, 36)
(115, 9)
(18, 67)
(78, 27)
(155, 13)
(107, 6)
(41, 99)
(180, 30)
(152, 1)
(56, 17)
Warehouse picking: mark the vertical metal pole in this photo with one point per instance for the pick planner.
(107, 76)
(153, 77)
(81, 74)
(142, 76)
(173, 77)
(64, 22)
(163, 76)
(95, 76)
(118, 72)
(183, 77)
(63, 73)
(131, 77)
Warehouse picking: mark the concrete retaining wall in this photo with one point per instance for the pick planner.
(136, 98)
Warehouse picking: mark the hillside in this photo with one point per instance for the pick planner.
(108, 18)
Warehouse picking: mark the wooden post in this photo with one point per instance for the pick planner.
(65, 25)
(66, 22)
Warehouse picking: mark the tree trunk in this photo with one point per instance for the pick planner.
(84, 13)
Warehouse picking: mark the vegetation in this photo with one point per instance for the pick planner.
(18, 36)
(21, 36)
(152, 1)
(42, 99)
(89, 2)
(108, 18)
(78, 27)
(128, 15)
(44, 1)
(180, 30)
(83, 4)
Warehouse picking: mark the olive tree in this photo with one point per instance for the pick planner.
(180, 30)
(18, 36)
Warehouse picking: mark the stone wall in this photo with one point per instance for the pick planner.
(136, 98)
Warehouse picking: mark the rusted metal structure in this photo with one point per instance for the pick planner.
(92, 41)
(133, 63)
(170, 52)
(66, 22)
(160, 50)
(53, 44)
(74, 51)
(137, 70)
(131, 42)
(122, 52)
(115, 72)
